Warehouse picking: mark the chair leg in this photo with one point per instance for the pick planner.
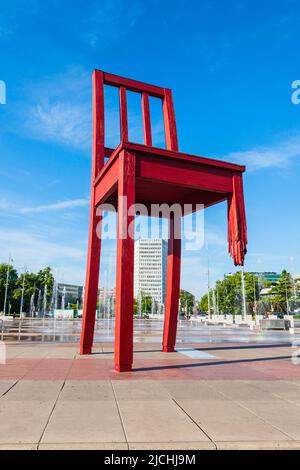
(91, 285)
(125, 265)
(173, 287)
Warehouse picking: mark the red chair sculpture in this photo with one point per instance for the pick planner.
(149, 175)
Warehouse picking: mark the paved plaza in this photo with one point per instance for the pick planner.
(223, 388)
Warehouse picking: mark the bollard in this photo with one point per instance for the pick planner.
(19, 335)
(2, 353)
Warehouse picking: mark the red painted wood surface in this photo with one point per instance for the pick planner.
(98, 151)
(108, 182)
(91, 283)
(133, 85)
(170, 122)
(143, 149)
(168, 177)
(237, 227)
(125, 265)
(174, 245)
(146, 120)
(172, 287)
(183, 173)
(123, 115)
(94, 244)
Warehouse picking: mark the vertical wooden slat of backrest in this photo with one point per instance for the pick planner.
(170, 122)
(98, 123)
(146, 119)
(123, 115)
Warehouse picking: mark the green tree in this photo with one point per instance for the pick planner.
(186, 301)
(135, 307)
(282, 292)
(45, 278)
(146, 304)
(142, 304)
(29, 281)
(228, 294)
(33, 284)
(203, 303)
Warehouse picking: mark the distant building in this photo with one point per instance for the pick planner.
(150, 268)
(265, 292)
(268, 276)
(74, 294)
(296, 278)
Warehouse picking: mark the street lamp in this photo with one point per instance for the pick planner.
(22, 295)
(6, 284)
(244, 295)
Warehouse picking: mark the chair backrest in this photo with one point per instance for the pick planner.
(100, 79)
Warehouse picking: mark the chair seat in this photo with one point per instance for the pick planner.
(165, 176)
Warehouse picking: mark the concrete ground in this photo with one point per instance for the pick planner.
(207, 395)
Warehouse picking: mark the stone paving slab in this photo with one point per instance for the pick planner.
(18, 447)
(83, 446)
(230, 422)
(84, 390)
(181, 445)
(193, 390)
(246, 391)
(5, 385)
(284, 389)
(282, 415)
(140, 390)
(258, 445)
(23, 422)
(33, 390)
(158, 421)
(79, 421)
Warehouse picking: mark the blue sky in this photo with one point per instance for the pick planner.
(230, 65)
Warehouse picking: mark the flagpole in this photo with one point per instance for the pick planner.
(244, 295)
(22, 296)
(6, 285)
(208, 283)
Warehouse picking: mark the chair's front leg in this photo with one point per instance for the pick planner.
(173, 285)
(125, 264)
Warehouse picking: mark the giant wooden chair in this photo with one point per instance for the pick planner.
(148, 175)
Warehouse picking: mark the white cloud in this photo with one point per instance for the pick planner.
(278, 155)
(57, 206)
(32, 249)
(69, 275)
(61, 122)
(214, 237)
(57, 109)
